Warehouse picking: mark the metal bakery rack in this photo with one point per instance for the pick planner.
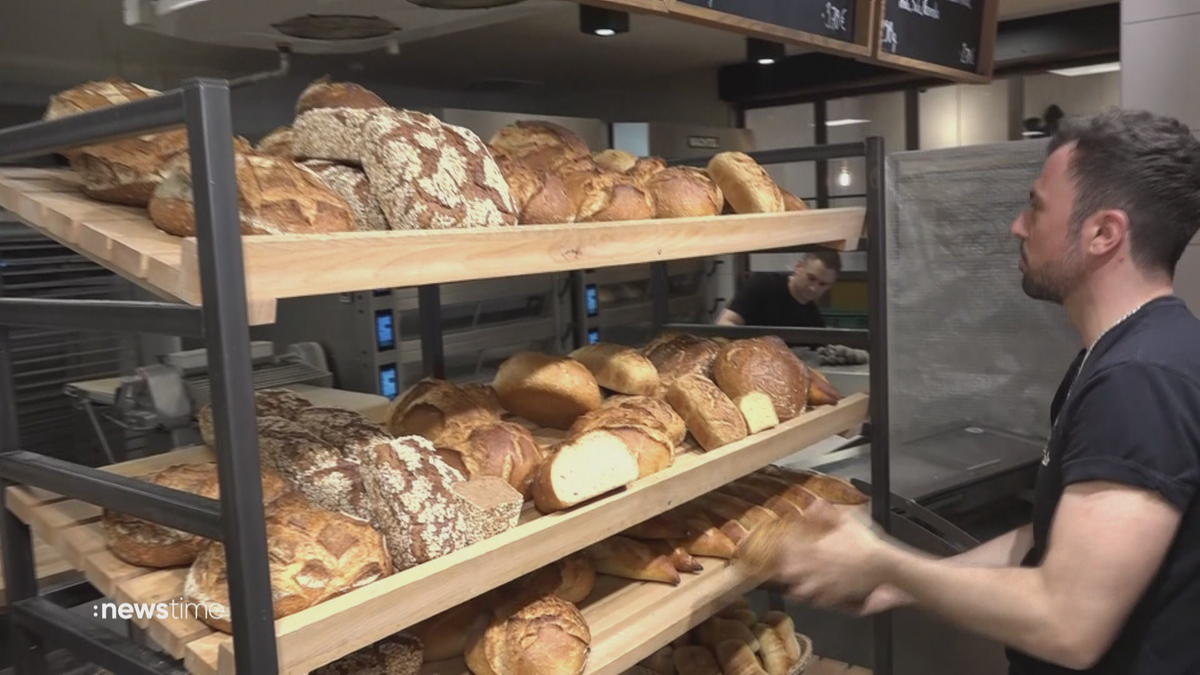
(219, 283)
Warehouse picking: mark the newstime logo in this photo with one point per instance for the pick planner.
(174, 609)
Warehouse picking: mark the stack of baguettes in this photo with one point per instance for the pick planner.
(351, 162)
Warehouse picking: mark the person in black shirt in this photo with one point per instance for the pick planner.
(1106, 579)
(777, 299)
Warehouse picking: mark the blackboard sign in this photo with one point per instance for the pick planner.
(828, 18)
(947, 33)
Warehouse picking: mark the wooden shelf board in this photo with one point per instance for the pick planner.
(124, 240)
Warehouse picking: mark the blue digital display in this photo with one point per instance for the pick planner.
(389, 385)
(593, 336)
(593, 300)
(385, 330)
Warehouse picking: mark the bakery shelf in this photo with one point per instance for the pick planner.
(338, 626)
(124, 240)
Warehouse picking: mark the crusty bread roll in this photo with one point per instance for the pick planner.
(785, 628)
(540, 196)
(670, 420)
(446, 635)
(431, 405)
(149, 544)
(352, 184)
(277, 142)
(399, 654)
(695, 660)
(617, 161)
(760, 365)
(275, 196)
(548, 390)
(632, 559)
(833, 489)
(428, 175)
(318, 470)
(746, 617)
(411, 493)
(572, 578)
(737, 658)
(746, 185)
(329, 120)
(270, 402)
(547, 636)
(684, 192)
(613, 197)
(584, 467)
(315, 555)
(707, 411)
(501, 449)
(539, 145)
(619, 368)
(676, 354)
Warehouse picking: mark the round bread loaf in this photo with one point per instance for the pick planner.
(313, 554)
(548, 390)
(685, 192)
(330, 118)
(399, 654)
(539, 145)
(275, 196)
(149, 544)
(501, 449)
(353, 186)
(278, 142)
(547, 636)
(428, 175)
(271, 402)
(762, 365)
(746, 185)
(430, 405)
(615, 160)
(540, 196)
(613, 197)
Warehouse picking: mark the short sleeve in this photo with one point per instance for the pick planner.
(748, 299)
(1138, 424)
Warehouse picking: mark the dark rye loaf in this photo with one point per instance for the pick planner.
(329, 120)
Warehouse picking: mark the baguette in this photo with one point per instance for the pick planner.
(729, 507)
(631, 559)
(731, 528)
(796, 494)
(832, 489)
(582, 468)
(678, 555)
(708, 540)
(774, 503)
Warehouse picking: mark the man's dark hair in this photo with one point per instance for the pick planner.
(1148, 166)
(831, 259)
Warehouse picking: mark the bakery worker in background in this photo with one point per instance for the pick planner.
(780, 299)
(1106, 579)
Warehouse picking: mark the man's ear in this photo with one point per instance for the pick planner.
(1108, 229)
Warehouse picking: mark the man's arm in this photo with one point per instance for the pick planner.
(730, 318)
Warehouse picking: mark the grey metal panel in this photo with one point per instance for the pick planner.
(476, 291)
(629, 273)
(470, 342)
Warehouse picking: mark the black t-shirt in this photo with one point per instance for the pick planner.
(1134, 418)
(764, 300)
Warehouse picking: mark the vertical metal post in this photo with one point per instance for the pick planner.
(579, 313)
(429, 318)
(226, 323)
(877, 279)
(821, 137)
(660, 295)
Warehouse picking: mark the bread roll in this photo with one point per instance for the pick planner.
(399, 654)
(695, 660)
(617, 161)
(619, 368)
(318, 470)
(758, 410)
(428, 175)
(746, 185)
(149, 544)
(489, 506)
(737, 658)
(759, 365)
(771, 650)
(275, 196)
(540, 196)
(716, 630)
(613, 197)
(314, 555)
(708, 413)
(271, 402)
(582, 468)
(832, 489)
(352, 184)
(430, 405)
(501, 449)
(785, 628)
(632, 559)
(675, 354)
(821, 391)
(329, 120)
(547, 636)
(670, 420)
(572, 578)
(539, 145)
(551, 391)
(684, 192)
(411, 492)
(277, 142)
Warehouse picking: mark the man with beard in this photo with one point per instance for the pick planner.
(1106, 579)
(781, 299)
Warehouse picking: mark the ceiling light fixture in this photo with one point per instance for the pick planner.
(764, 52)
(1095, 69)
(602, 22)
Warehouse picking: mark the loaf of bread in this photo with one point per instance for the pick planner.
(785, 628)
(399, 654)
(640, 431)
(446, 635)
(792, 203)
(149, 544)
(677, 354)
(684, 192)
(833, 489)
(541, 146)
(329, 120)
(271, 402)
(314, 555)
(677, 554)
(758, 410)
(617, 161)
(613, 197)
(275, 196)
(489, 506)
(428, 175)
(695, 660)
(548, 390)
(540, 196)
(411, 491)
(761, 365)
(571, 578)
(501, 449)
(746, 185)
(778, 487)
(662, 411)
(584, 467)
(431, 405)
(317, 469)
(821, 391)
(716, 630)
(771, 650)
(731, 527)
(632, 559)
(278, 142)
(645, 169)
(352, 184)
(95, 95)
(547, 636)
(619, 368)
(707, 411)
(774, 503)
(347, 430)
